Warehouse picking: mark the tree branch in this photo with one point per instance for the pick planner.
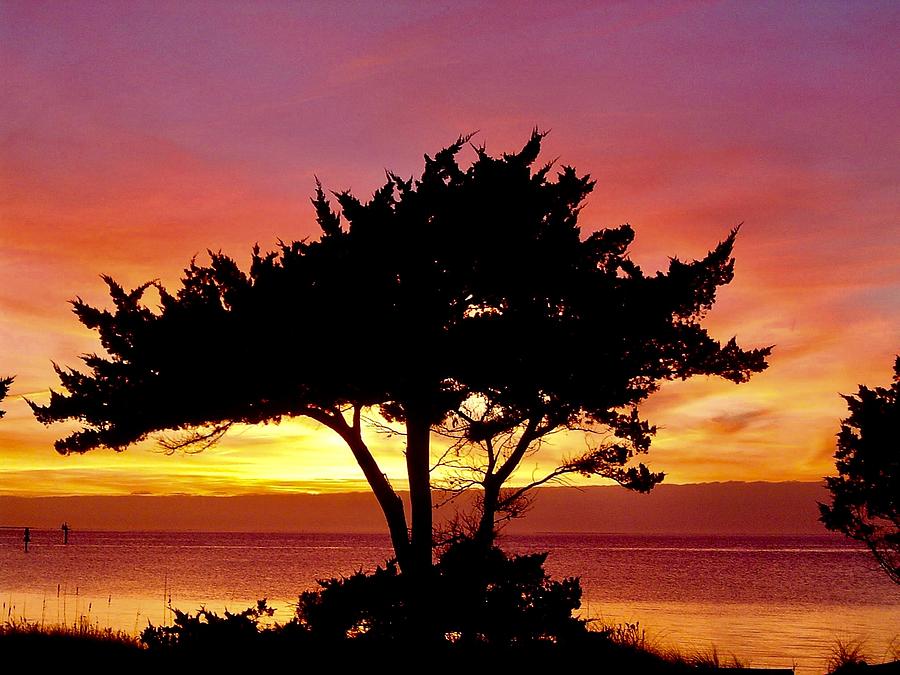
(553, 475)
(528, 435)
(194, 441)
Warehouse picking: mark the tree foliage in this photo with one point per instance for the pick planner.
(5, 383)
(466, 302)
(865, 495)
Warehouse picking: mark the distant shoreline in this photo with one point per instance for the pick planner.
(734, 508)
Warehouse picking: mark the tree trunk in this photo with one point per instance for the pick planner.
(491, 498)
(418, 466)
(392, 508)
(493, 483)
(419, 571)
(389, 501)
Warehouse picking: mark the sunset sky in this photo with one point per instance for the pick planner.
(136, 135)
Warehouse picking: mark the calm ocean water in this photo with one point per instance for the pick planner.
(770, 601)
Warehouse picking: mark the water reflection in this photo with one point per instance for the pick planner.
(771, 601)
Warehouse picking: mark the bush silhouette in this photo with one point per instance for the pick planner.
(481, 597)
(207, 631)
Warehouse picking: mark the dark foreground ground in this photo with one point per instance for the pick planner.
(42, 650)
(37, 649)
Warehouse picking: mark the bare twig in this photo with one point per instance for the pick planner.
(193, 441)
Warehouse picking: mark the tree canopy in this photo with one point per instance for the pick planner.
(865, 495)
(467, 302)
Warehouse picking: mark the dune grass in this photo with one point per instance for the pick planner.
(634, 636)
(49, 646)
(852, 655)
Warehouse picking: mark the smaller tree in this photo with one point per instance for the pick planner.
(866, 492)
(4, 390)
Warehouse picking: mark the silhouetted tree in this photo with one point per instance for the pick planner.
(865, 495)
(4, 390)
(466, 300)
